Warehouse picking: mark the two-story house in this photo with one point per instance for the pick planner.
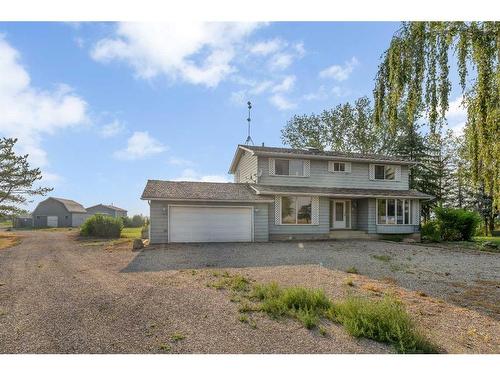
(283, 193)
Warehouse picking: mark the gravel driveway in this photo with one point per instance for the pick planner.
(58, 295)
(441, 273)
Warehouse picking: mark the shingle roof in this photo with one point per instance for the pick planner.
(200, 191)
(345, 192)
(71, 205)
(110, 206)
(315, 152)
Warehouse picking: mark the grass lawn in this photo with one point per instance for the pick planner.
(485, 239)
(131, 233)
(5, 223)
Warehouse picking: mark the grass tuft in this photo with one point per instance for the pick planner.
(382, 258)
(236, 283)
(352, 270)
(164, 347)
(305, 305)
(349, 282)
(384, 321)
(177, 337)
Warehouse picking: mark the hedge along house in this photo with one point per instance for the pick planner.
(59, 212)
(286, 194)
(107, 209)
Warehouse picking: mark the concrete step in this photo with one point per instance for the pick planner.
(350, 234)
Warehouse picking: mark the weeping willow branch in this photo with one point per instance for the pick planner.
(415, 74)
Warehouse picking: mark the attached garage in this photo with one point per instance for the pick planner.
(184, 211)
(210, 224)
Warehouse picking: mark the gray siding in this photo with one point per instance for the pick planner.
(247, 169)
(321, 177)
(100, 209)
(159, 218)
(322, 228)
(372, 216)
(51, 207)
(396, 229)
(362, 214)
(78, 219)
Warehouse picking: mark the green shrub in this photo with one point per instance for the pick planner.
(383, 321)
(145, 232)
(430, 231)
(102, 226)
(457, 224)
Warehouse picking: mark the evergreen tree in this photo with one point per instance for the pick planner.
(16, 179)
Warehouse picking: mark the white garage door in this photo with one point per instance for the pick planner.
(210, 224)
(52, 221)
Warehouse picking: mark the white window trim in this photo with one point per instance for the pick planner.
(395, 211)
(385, 166)
(347, 167)
(296, 196)
(289, 175)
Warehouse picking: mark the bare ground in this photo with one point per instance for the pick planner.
(59, 295)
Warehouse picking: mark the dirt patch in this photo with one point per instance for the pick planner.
(9, 240)
(453, 329)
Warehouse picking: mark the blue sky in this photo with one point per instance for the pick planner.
(102, 107)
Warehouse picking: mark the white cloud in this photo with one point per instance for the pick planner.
(282, 103)
(340, 92)
(29, 113)
(320, 94)
(192, 175)
(286, 85)
(112, 129)
(267, 47)
(339, 72)
(456, 109)
(53, 178)
(281, 61)
(140, 146)
(198, 53)
(80, 42)
(456, 116)
(179, 162)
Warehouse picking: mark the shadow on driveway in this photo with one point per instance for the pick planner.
(238, 255)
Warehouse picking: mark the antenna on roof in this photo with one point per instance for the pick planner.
(249, 139)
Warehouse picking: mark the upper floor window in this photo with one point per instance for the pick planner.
(289, 167)
(338, 167)
(385, 172)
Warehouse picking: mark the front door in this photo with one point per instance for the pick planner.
(340, 214)
(339, 221)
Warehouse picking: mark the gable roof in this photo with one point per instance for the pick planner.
(69, 204)
(339, 192)
(313, 154)
(110, 206)
(200, 191)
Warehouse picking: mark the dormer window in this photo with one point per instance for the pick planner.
(289, 167)
(385, 172)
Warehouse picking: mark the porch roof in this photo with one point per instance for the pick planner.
(338, 192)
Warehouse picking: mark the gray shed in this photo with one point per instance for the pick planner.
(59, 212)
(22, 221)
(107, 209)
